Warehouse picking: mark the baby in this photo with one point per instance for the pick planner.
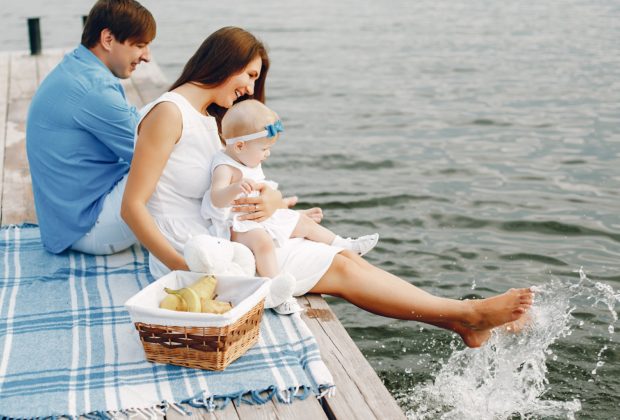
(250, 129)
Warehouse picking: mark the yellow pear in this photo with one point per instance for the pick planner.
(205, 287)
(174, 303)
(215, 306)
(189, 296)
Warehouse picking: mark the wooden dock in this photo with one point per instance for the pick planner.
(360, 393)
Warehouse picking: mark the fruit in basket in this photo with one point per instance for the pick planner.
(214, 306)
(174, 303)
(189, 296)
(205, 287)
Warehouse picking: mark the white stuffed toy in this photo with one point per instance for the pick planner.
(217, 256)
(221, 257)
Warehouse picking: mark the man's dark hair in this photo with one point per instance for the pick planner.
(126, 20)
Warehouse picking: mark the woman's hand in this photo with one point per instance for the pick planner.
(259, 208)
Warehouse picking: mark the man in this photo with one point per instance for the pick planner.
(80, 132)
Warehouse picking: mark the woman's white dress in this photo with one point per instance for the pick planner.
(175, 203)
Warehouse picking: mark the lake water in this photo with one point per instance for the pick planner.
(481, 139)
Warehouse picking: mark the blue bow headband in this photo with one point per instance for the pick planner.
(270, 131)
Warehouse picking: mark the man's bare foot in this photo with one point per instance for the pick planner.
(498, 310)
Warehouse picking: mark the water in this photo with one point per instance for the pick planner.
(479, 138)
(509, 374)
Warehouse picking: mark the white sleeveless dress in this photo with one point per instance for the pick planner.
(175, 203)
(279, 226)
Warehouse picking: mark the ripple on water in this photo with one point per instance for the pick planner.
(509, 374)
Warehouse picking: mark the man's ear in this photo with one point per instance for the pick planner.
(106, 38)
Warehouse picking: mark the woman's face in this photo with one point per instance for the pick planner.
(239, 84)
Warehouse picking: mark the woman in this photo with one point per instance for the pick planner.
(169, 175)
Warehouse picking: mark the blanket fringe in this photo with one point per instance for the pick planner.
(202, 401)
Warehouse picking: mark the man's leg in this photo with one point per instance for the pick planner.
(110, 233)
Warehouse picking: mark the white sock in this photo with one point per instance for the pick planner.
(289, 306)
(281, 289)
(361, 245)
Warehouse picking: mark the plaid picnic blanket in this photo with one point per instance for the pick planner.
(68, 346)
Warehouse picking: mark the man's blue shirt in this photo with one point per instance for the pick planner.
(80, 141)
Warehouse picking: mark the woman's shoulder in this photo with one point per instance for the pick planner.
(167, 103)
(162, 116)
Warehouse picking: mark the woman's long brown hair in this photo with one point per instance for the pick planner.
(223, 54)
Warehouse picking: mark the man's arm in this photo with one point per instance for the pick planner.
(106, 114)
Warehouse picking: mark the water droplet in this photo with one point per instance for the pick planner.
(408, 371)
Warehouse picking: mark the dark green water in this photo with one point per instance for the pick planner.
(481, 139)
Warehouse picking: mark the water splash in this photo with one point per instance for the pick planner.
(508, 375)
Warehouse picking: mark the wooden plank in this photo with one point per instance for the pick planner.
(132, 95)
(257, 412)
(4, 100)
(17, 199)
(360, 394)
(229, 413)
(308, 409)
(47, 61)
(149, 81)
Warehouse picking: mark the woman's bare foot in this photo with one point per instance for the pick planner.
(498, 310)
(517, 326)
(476, 338)
(472, 338)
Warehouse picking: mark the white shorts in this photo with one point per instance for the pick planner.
(279, 226)
(110, 234)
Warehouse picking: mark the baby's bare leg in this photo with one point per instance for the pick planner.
(309, 229)
(263, 248)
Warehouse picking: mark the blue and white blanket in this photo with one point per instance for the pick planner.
(68, 346)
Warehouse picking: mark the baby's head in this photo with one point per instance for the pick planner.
(250, 129)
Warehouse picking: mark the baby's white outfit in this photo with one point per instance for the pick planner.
(175, 203)
(279, 226)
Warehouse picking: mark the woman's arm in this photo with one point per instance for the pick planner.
(262, 207)
(157, 135)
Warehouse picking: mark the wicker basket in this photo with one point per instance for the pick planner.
(210, 348)
(198, 340)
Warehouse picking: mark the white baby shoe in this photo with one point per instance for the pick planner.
(289, 306)
(281, 289)
(361, 245)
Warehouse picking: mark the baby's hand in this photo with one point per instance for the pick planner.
(245, 186)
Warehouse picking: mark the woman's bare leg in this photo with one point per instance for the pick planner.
(380, 292)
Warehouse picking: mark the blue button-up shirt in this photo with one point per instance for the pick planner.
(80, 141)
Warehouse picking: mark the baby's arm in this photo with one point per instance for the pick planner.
(226, 185)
